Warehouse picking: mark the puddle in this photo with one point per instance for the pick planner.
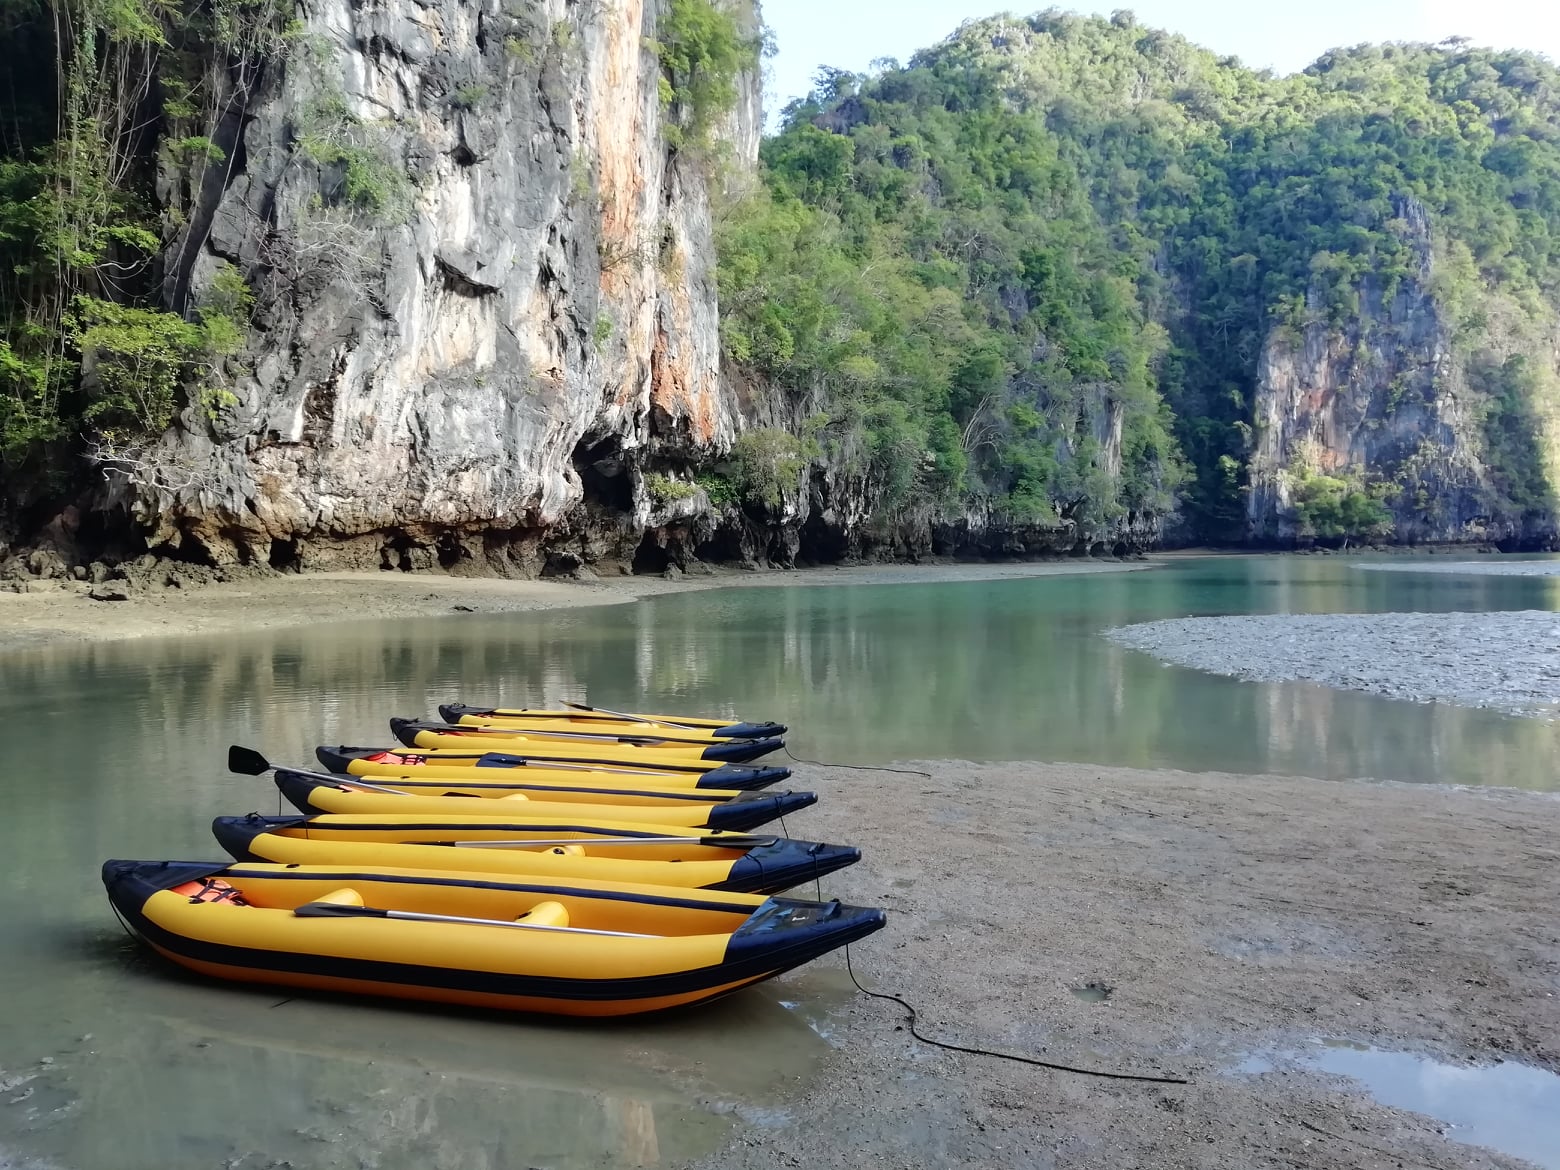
(1510, 1107)
(1092, 992)
(823, 991)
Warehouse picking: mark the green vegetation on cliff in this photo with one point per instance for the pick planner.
(108, 98)
(979, 265)
(1030, 276)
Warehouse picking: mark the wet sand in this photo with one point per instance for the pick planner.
(60, 612)
(1231, 916)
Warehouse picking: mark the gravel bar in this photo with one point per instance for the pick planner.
(1509, 661)
(1474, 568)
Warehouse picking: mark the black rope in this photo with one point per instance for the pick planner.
(1066, 1068)
(121, 920)
(914, 1031)
(855, 767)
(911, 1012)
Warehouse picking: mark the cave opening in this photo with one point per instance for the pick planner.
(448, 550)
(603, 474)
(650, 557)
(561, 563)
(821, 543)
(396, 553)
(285, 557)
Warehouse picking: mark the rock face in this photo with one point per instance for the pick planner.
(485, 299)
(1392, 399)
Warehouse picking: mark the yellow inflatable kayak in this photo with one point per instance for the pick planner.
(549, 792)
(535, 846)
(599, 718)
(579, 949)
(578, 728)
(449, 764)
(615, 748)
(313, 792)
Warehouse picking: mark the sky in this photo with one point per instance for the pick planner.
(1272, 34)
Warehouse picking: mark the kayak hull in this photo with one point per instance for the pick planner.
(702, 945)
(626, 748)
(313, 792)
(359, 761)
(749, 865)
(592, 720)
(546, 793)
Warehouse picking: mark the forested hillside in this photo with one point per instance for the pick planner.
(962, 266)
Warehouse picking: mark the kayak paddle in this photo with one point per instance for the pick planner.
(335, 910)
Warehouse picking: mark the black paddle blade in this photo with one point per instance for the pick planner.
(333, 910)
(734, 841)
(247, 761)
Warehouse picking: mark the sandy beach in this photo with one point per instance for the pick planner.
(1236, 920)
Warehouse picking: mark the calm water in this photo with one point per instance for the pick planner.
(1510, 1107)
(109, 1063)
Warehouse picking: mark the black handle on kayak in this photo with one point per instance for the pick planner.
(336, 910)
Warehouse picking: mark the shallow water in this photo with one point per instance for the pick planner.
(1510, 1107)
(118, 751)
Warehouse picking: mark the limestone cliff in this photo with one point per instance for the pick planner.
(1401, 399)
(484, 295)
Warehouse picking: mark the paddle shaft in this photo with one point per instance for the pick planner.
(356, 783)
(744, 843)
(331, 910)
(527, 733)
(634, 718)
(544, 762)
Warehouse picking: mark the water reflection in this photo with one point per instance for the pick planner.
(1510, 1107)
(130, 1065)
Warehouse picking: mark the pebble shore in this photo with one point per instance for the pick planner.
(1509, 661)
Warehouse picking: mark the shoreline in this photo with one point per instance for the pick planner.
(1241, 924)
(65, 614)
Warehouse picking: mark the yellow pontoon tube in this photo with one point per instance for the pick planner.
(536, 846)
(313, 792)
(606, 720)
(453, 764)
(577, 948)
(548, 792)
(418, 734)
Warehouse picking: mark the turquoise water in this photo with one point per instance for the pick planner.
(118, 751)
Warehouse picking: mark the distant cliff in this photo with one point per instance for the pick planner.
(1399, 401)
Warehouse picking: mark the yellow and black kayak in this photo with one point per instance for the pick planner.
(575, 729)
(536, 846)
(449, 764)
(576, 948)
(415, 733)
(314, 792)
(548, 792)
(599, 718)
